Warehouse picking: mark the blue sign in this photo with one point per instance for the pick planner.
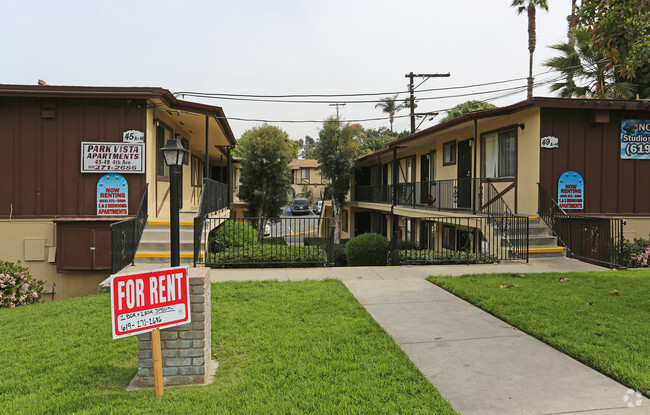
(571, 191)
(635, 139)
(112, 195)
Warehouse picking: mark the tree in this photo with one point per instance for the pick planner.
(337, 151)
(465, 107)
(530, 7)
(293, 145)
(389, 106)
(307, 147)
(582, 62)
(620, 30)
(266, 153)
(376, 139)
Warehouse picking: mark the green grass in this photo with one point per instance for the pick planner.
(583, 317)
(283, 348)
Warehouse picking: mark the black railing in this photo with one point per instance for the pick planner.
(594, 239)
(463, 240)
(214, 197)
(502, 218)
(268, 242)
(126, 234)
(454, 194)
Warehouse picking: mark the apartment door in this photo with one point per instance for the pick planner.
(464, 166)
(424, 178)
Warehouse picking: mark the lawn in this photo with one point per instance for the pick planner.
(583, 317)
(283, 348)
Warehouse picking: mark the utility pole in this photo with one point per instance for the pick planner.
(411, 75)
(337, 105)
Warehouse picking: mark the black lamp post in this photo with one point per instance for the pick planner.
(174, 152)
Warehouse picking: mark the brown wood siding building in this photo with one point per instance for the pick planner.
(40, 162)
(589, 143)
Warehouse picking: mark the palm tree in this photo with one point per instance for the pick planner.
(389, 106)
(582, 62)
(530, 6)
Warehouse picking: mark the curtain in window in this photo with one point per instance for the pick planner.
(491, 154)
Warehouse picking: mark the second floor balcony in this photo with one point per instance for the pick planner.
(470, 194)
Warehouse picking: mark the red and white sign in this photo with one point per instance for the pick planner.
(143, 301)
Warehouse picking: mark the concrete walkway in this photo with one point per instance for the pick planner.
(480, 364)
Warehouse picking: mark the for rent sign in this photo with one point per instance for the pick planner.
(571, 191)
(141, 302)
(112, 157)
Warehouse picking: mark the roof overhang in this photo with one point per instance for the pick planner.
(160, 95)
(625, 105)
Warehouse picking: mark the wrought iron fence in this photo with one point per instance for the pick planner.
(454, 194)
(214, 197)
(126, 234)
(268, 242)
(463, 240)
(593, 239)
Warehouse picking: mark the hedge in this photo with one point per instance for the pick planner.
(367, 249)
(268, 256)
(430, 257)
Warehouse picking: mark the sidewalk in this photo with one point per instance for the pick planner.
(480, 364)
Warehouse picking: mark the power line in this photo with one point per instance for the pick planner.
(286, 101)
(214, 94)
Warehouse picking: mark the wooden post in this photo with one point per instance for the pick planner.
(157, 362)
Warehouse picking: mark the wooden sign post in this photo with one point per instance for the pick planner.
(157, 362)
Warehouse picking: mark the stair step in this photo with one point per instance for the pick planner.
(164, 246)
(164, 222)
(163, 258)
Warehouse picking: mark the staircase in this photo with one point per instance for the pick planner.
(541, 242)
(155, 247)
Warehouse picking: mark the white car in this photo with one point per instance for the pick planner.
(318, 207)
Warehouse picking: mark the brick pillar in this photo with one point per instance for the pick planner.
(186, 349)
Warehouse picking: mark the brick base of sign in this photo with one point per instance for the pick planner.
(186, 349)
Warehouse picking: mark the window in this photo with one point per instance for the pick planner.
(304, 174)
(410, 170)
(186, 146)
(344, 220)
(196, 166)
(448, 237)
(449, 153)
(498, 155)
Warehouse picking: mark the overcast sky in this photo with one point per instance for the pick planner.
(281, 47)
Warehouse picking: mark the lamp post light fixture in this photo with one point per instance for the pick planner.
(174, 153)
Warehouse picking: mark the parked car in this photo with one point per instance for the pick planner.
(299, 206)
(318, 207)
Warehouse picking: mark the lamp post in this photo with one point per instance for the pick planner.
(174, 152)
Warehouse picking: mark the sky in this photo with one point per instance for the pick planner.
(284, 47)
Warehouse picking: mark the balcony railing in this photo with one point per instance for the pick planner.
(455, 194)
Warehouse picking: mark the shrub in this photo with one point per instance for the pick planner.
(431, 257)
(268, 256)
(367, 249)
(635, 254)
(17, 287)
(275, 240)
(232, 234)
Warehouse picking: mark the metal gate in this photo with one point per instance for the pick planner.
(267, 242)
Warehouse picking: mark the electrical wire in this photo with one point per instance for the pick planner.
(213, 94)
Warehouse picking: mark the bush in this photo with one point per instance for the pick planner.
(407, 245)
(275, 240)
(431, 257)
(268, 256)
(367, 249)
(635, 254)
(17, 287)
(232, 234)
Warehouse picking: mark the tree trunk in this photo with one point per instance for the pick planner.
(531, 46)
(336, 213)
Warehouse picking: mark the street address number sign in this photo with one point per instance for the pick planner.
(143, 301)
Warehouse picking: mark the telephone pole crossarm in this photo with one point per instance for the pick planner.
(426, 76)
